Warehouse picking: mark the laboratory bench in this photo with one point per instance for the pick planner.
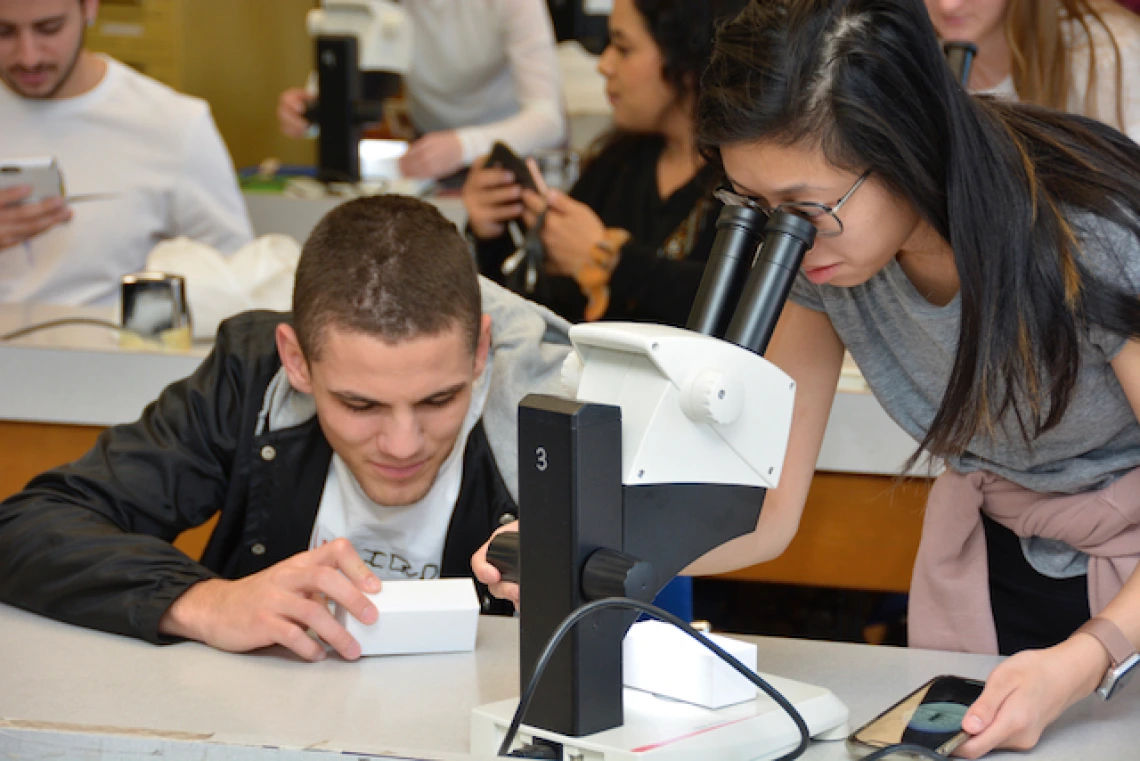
(74, 693)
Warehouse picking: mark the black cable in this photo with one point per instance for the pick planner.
(28, 330)
(572, 620)
(913, 750)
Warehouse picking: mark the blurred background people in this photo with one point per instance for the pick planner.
(1081, 56)
(482, 70)
(631, 238)
(154, 155)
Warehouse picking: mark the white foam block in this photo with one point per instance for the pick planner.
(661, 659)
(433, 616)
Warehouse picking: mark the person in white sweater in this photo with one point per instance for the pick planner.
(482, 70)
(154, 156)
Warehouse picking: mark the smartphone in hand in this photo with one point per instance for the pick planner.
(931, 716)
(503, 157)
(41, 173)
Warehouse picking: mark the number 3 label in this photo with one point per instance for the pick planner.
(540, 459)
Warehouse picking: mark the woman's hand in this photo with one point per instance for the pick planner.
(492, 198)
(569, 232)
(1027, 693)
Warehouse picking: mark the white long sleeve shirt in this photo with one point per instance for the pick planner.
(156, 150)
(489, 70)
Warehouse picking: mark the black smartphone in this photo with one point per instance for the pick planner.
(931, 716)
(504, 158)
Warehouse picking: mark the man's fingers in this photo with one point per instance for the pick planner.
(340, 590)
(14, 194)
(317, 617)
(293, 636)
(341, 555)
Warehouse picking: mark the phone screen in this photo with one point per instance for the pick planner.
(931, 717)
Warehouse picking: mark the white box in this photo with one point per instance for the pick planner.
(433, 616)
(660, 658)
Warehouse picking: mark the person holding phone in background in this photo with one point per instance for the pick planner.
(155, 154)
(639, 223)
(482, 70)
(980, 260)
(1081, 56)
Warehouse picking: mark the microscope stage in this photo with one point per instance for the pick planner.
(659, 729)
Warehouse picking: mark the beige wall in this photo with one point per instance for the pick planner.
(236, 54)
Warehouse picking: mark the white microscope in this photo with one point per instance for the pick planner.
(662, 450)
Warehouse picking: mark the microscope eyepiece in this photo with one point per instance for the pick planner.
(787, 238)
(740, 230)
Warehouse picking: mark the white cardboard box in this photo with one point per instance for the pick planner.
(660, 658)
(433, 616)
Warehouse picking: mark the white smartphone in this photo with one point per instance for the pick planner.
(42, 173)
(931, 716)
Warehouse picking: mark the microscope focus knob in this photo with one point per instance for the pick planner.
(571, 374)
(713, 396)
(610, 573)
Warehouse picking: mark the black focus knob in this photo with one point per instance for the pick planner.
(609, 573)
(503, 553)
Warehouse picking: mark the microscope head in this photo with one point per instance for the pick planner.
(695, 409)
(383, 30)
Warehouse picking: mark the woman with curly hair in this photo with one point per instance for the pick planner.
(631, 238)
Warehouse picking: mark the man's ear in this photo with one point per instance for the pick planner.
(90, 11)
(483, 347)
(293, 359)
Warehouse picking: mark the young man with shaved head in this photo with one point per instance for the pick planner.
(370, 435)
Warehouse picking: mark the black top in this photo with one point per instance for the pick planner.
(660, 268)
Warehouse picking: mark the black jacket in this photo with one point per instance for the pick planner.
(89, 543)
(649, 284)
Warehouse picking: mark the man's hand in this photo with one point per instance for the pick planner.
(22, 221)
(435, 155)
(291, 107)
(489, 574)
(1028, 692)
(492, 198)
(278, 605)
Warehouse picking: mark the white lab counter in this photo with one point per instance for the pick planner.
(78, 374)
(72, 693)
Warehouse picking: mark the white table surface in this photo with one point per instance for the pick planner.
(78, 374)
(64, 689)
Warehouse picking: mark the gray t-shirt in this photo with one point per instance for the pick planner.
(905, 347)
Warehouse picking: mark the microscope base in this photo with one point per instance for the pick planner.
(658, 729)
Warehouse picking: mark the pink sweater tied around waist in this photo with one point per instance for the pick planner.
(949, 593)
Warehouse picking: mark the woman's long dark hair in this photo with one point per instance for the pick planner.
(866, 82)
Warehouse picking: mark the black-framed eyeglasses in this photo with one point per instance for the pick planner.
(825, 218)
